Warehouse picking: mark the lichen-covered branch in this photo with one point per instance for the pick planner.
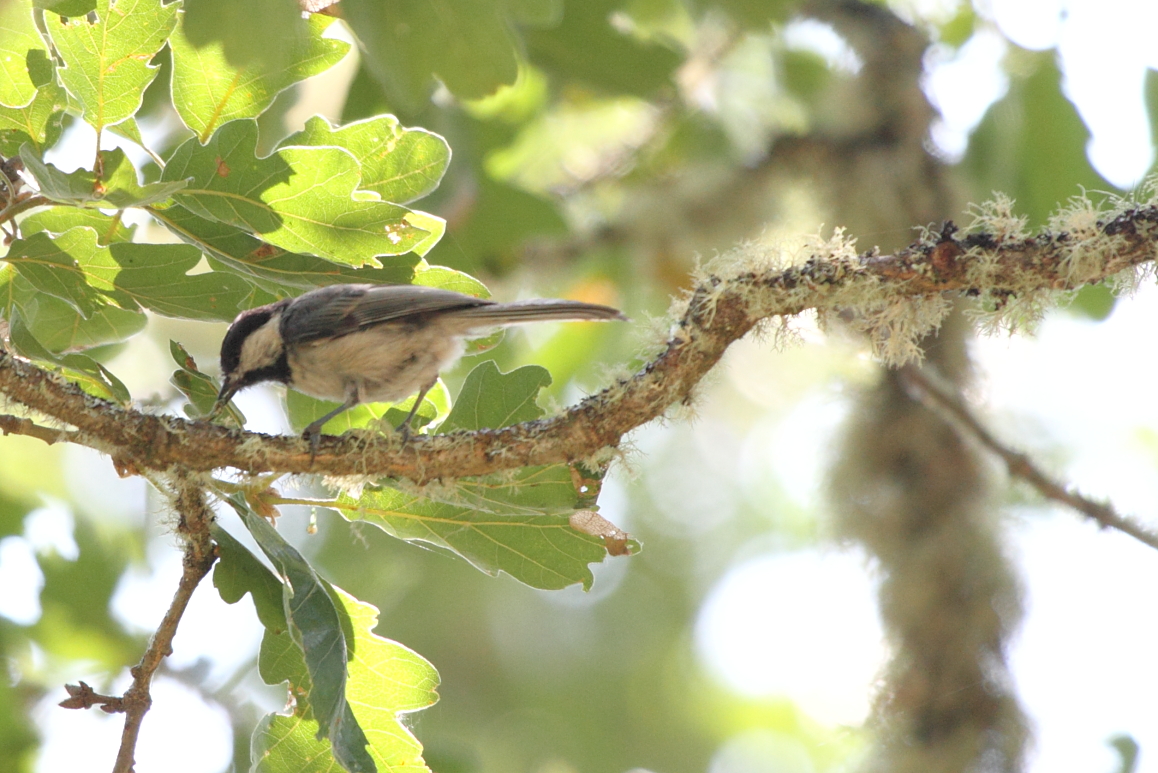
(896, 298)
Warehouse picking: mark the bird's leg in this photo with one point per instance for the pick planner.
(313, 433)
(404, 427)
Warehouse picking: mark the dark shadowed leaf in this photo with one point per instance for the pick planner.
(209, 91)
(316, 626)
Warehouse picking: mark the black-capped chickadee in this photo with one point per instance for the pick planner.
(357, 343)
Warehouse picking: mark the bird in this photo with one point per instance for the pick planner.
(361, 343)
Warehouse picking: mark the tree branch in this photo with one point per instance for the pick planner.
(1019, 464)
(14, 425)
(998, 263)
(200, 554)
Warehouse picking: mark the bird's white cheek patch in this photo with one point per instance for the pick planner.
(263, 347)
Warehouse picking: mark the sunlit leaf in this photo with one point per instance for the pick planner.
(106, 61)
(18, 39)
(74, 267)
(398, 164)
(299, 199)
(57, 220)
(385, 679)
(273, 268)
(37, 123)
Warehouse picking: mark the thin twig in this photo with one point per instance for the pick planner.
(15, 425)
(1019, 464)
(23, 203)
(81, 696)
(200, 554)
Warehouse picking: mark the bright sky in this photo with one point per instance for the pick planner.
(1084, 661)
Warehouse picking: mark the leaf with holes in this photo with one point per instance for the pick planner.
(107, 61)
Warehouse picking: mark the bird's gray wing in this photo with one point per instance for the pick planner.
(341, 309)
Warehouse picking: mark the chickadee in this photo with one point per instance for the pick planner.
(357, 343)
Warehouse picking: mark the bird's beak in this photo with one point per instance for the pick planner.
(228, 389)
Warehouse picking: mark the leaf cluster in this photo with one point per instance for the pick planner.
(208, 225)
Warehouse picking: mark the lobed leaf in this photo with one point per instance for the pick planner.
(209, 91)
(398, 164)
(18, 40)
(117, 187)
(36, 124)
(299, 199)
(490, 399)
(542, 551)
(317, 629)
(106, 61)
(57, 220)
(74, 267)
(406, 47)
(93, 377)
(516, 524)
(271, 268)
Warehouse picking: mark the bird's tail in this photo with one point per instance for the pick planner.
(537, 310)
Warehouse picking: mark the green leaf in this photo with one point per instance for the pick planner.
(517, 524)
(303, 410)
(542, 551)
(129, 129)
(76, 622)
(208, 91)
(587, 48)
(37, 123)
(93, 377)
(51, 267)
(406, 47)
(58, 327)
(317, 628)
(299, 199)
(490, 399)
(57, 220)
(199, 388)
(398, 164)
(1032, 143)
(74, 267)
(106, 62)
(66, 7)
(117, 188)
(259, 32)
(385, 679)
(273, 269)
(239, 572)
(18, 40)
(155, 276)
